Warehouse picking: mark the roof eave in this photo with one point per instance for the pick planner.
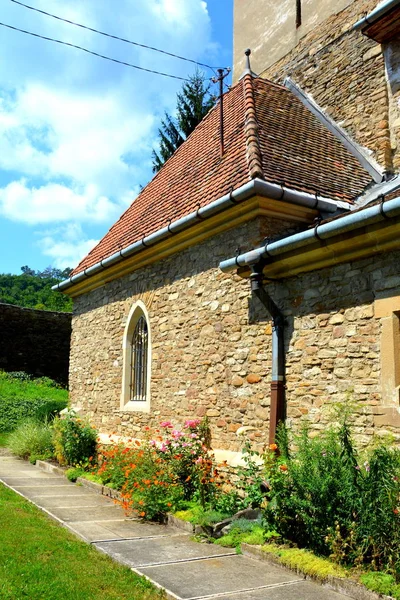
(254, 187)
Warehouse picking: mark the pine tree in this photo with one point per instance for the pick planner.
(193, 103)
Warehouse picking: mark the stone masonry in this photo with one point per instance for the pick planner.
(211, 344)
(344, 71)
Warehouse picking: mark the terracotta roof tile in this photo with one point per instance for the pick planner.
(268, 134)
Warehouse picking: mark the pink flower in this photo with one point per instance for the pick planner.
(166, 424)
(163, 447)
(176, 434)
(152, 443)
(192, 423)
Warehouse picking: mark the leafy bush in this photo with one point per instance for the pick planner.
(381, 583)
(74, 440)
(243, 531)
(49, 410)
(189, 459)
(22, 397)
(32, 440)
(324, 498)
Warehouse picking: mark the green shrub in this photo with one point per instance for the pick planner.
(242, 531)
(21, 397)
(32, 439)
(324, 498)
(381, 583)
(74, 440)
(49, 410)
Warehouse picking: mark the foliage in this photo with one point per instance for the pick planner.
(250, 477)
(193, 103)
(32, 440)
(381, 583)
(74, 440)
(199, 516)
(158, 475)
(53, 560)
(305, 561)
(32, 289)
(189, 459)
(324, 498)
(242, 531)
(3, 440)
(22, 397)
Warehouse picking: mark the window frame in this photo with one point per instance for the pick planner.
(137, 311)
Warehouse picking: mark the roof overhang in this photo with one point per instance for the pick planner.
(360, 234)
(383, 23)
(257, 198)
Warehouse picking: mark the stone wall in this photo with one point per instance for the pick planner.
(269, 28)
(211, 343)
(35, 341)
(207, 357)
(344, 72)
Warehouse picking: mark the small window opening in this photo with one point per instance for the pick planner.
(139, 357)
(298, 13)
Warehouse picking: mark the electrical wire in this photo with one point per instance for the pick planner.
(115, 37)
(120, 62)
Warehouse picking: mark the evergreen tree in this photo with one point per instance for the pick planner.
(193, 103)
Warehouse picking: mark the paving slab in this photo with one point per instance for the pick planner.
(164, 550)
(80, 501)
(39, 491)
(98, 531)
(37, 481)
(97, 513)
(202, 578)
(301, 590)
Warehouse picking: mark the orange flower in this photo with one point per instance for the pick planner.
(273, 447)
(283, 467)
(142, 514)
(141, 502)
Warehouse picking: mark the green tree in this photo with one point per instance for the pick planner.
(193, 103)
(32, 289)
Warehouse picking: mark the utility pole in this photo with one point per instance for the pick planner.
(222, 73)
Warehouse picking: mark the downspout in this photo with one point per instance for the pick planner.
(277, 403)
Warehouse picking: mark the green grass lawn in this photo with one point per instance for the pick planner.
(21, 398)
(11, 387)
(39, 560)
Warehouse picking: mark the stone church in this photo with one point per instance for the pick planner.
(259, 281)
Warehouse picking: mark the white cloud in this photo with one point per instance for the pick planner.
(54, 203)
(66, 246)
(76, 132)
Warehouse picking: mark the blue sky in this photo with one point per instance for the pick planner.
(76, 132)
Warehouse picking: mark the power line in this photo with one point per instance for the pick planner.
(115, 37)
(120, 62)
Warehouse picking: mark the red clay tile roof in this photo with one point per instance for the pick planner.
(268, 133)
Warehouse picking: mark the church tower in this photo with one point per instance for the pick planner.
(344, 54)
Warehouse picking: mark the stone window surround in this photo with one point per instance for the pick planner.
(388, 311)
(137, 310)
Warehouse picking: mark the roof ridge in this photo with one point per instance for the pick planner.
(251, 129)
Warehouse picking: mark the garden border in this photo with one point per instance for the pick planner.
(348, 587)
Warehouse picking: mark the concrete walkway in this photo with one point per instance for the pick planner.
(185, 569)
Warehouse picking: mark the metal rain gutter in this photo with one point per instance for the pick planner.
(252, 188)
(374, 214)
(381, 10)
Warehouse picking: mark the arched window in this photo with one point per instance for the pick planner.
(136, 370)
